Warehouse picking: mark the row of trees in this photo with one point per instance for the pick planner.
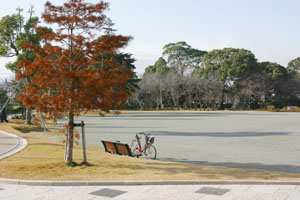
(232, 76)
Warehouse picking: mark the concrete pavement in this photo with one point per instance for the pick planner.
(251, 140)
(10, 144)
(155, 192)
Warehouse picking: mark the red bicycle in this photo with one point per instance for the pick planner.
(148, 150)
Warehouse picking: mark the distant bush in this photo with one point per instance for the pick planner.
(271, 108)
(293, 108)
(17, 117)
(284, 109)
(13, 109)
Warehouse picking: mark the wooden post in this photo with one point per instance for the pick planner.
(83, 139)
(83, 142)
(67, 141)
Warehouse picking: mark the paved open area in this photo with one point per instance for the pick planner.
(6, 143)
(10, 144)
(158, 192)
(255, 140)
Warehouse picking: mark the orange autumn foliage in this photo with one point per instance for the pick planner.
(74, 68)
(70, 69)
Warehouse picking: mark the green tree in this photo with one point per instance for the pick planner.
(273, 70)
(183, 57)
(125, 58)
(212, 61)
(3, 96)
(10, 29)
(293, 67)
(14, 32)
(150, 69)
(231, 66)
(275, 84)
(159, 67)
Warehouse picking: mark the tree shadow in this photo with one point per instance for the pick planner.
(116, 127)
(220, 134)
(75, 164)
(257, 166)
(47, 144)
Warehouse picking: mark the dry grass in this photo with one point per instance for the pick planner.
(43, 159)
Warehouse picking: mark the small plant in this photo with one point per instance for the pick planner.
(284, 109)
(271, 107)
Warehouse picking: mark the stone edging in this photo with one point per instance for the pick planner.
(158, 182)
(21, 144)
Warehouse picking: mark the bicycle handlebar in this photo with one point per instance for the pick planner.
(137, 137)
(142, 133)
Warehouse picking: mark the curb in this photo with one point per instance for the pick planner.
(21, 144)
(137, 183)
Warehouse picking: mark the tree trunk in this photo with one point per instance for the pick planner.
(173, 99)
(140, 104)
(69, 141)
(43, 122)
(161, 96)
(190, 101)
(28, 115)
(23, 114)
(236, 103)
(28, 110)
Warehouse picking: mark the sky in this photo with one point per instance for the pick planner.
(268, 28)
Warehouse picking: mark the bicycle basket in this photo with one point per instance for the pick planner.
(151, 139)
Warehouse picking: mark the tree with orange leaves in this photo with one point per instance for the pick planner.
(75, 68)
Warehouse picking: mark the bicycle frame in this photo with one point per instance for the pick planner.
(148, 149)
(139, 145)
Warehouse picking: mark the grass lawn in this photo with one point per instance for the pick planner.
(43, 159)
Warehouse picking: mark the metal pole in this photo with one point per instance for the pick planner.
(9, 98)
(67, 141)
(83, 142)
(43, 122)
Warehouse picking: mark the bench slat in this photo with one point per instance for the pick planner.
(117, 148)
(123, 149)
(109, 147)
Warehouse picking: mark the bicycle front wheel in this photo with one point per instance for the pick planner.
(150, 152)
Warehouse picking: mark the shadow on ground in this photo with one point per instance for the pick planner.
(258, 166)
(221, 134)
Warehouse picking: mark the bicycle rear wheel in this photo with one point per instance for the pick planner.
(150, 152)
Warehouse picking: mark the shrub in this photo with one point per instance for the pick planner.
(271, 108)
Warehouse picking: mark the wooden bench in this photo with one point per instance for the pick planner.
(119, 148)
